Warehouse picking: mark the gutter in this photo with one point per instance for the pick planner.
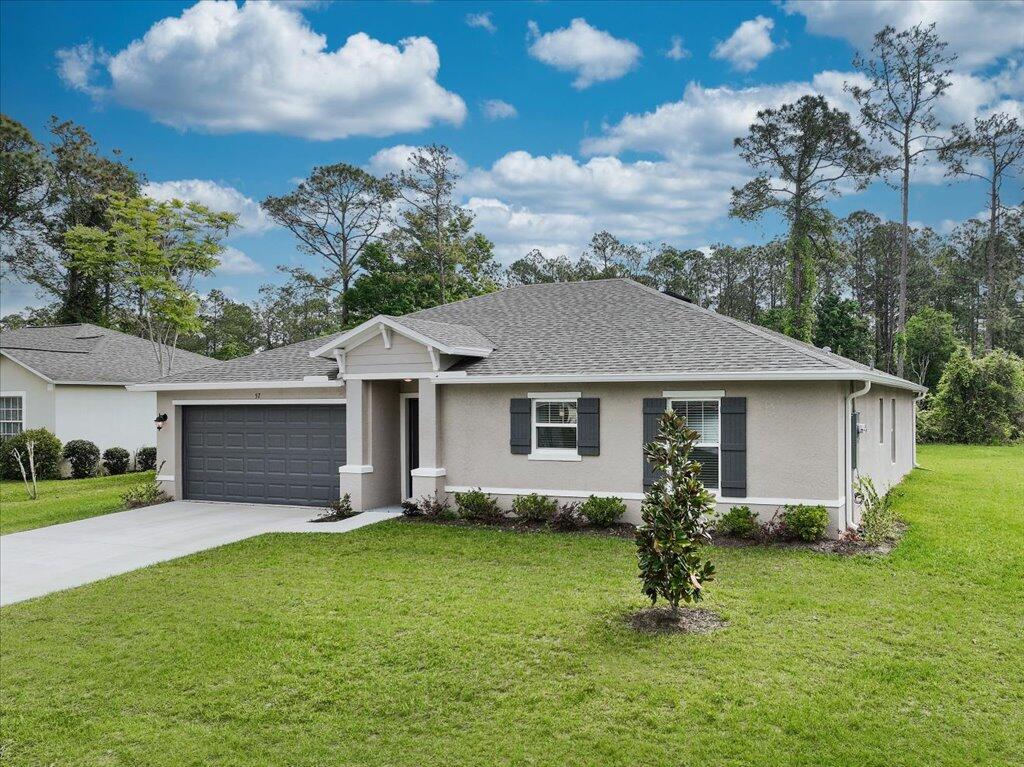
(848, 464)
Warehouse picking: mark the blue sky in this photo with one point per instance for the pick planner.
(611, 116)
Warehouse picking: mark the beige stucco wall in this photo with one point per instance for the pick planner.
(39, 395)
(794, 445)
(874, 455)
(168, 439)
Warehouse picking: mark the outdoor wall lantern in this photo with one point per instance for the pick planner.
(160, 420)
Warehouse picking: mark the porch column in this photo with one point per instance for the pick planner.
(352, 475)
(428, 479)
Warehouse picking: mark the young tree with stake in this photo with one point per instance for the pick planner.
(675, 512)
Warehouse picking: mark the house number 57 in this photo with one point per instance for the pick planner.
(257, 395)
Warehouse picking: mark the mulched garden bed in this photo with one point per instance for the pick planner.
(843, 546)
(687, 620)
(618, 530)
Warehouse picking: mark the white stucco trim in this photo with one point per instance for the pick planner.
(689, 395)
(233, 385)
(459, 377)
(554, 395)
(355, 468)
(749, 501)
(29, 369)
(554, 455)
(312, 401)
(164, 477)
(428, 471)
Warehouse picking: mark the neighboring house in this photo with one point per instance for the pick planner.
(550, 388)
(71, 380)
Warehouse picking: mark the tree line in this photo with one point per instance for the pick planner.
(75, 226)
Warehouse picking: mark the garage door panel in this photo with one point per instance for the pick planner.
(287, 454)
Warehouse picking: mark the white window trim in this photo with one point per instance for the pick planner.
(24, 401)
(881, 420)
(892, 431)
(552, 453)
(689, 397)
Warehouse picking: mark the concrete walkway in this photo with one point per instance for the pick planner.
(48, 559)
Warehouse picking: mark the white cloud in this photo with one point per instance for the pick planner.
(751, 42)
(260, 67)
(481, 21)
(592, 54)
(234, 261)
(677, 52)
(251, 217)
(979, 32)
(496, 109)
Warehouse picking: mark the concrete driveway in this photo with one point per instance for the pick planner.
(38, 562)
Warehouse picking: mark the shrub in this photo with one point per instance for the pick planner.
(116, 460)
(981, 400)
(477, 505)
(145, 459)
(534, 507)
(83, 456)
(427, 506)
(877, 516)
(738, 522)
(144, 494)
(566, 518)
(602, 512)
(808, 523)
(46, 450)
(675, 511)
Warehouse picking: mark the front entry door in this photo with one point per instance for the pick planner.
(412, 441)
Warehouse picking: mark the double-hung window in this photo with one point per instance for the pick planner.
(554, 428)
(12, 415)
(703, 416)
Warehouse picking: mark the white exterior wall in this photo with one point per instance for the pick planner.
(37, 405)
(874, 449)
(110, 416)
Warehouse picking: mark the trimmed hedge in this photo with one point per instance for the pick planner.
(47, 454)
(602, 512)
(83, 456)
(145, 459)
(116, 460)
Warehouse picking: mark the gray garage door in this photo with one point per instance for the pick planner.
(286, 454)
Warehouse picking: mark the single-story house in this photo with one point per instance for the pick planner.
(71, 380)
(550, 388)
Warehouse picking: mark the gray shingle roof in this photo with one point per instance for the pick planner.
(446, 333)
(619, 326)
(89, 353)
(285, 363)
(603, 327)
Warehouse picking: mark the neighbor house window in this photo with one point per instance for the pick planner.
(892, 432)
(12, 415)
(554, 428)
(703, 417)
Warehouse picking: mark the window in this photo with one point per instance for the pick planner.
(12, 415)
(881, 420)
(554, 429)
(703, 417)
(892, 430)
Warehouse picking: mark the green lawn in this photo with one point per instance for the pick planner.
(62, 500)
(407, 644)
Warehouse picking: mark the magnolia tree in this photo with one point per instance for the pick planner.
(675, 514)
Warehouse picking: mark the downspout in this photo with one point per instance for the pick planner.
(917, 399)
(848, 506)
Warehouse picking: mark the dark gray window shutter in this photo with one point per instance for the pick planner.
(734, 447)
(519, 413)
(654, 409)
(855, 436)
(588, 426)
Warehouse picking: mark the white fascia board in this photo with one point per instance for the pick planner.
(401, 376)
(713, 375)
(204, 385)
(29, 369)
(237, 401)
(372, 328)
